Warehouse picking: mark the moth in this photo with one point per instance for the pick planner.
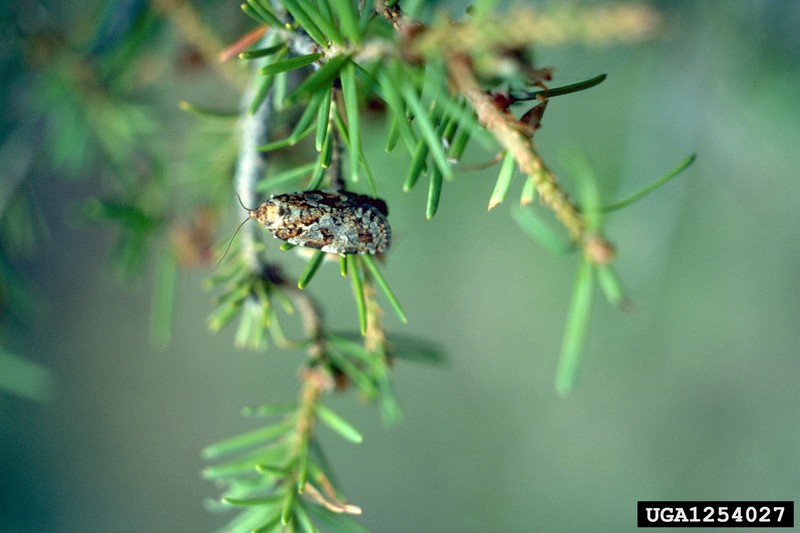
(334, 222)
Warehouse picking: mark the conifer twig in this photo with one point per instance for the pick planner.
(503, 125)
(506, 129)
(511, 135)
(251, 164)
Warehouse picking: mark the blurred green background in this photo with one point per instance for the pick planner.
(693, 395)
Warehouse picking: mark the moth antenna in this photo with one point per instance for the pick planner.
(241, 204)
(231, 241)
(250, 211)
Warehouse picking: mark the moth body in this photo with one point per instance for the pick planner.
(339, 223)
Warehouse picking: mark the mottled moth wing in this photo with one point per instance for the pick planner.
(331, 222)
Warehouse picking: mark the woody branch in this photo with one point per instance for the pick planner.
(507, 130)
